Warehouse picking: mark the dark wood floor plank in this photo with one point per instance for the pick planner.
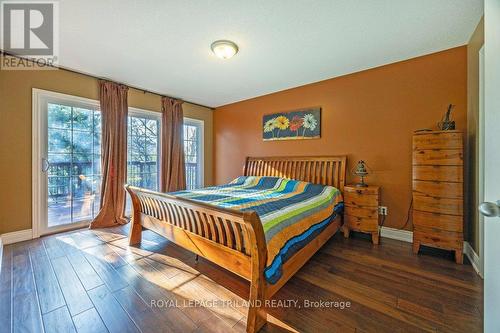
(22, 276)
(49, 292)
(106, 272)
(26, 313)
(85, 239)
(58, 321)
(72, 289)
(167, 305)
(106, 253)
(37, 248)
(89, 322)
(114, 317)
(126, 254)
(55, 247)
(142, 315)
(86, 273)
(108, 235)
(26, 316)
(6, 289)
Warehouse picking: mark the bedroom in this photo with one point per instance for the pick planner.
(266, 166)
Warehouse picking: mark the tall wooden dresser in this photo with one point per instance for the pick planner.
(438, 191)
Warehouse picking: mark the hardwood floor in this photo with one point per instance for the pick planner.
(91, 281)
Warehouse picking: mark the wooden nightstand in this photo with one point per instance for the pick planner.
(361, 210)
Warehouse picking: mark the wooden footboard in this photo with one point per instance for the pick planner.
(232, 239)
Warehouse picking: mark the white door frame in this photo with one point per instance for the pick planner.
(39, 151)
(480, 165)
(491, 163)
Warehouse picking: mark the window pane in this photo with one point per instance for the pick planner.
(74, 137)
(82, 142)
(152, 126)
(59, 141)
(83, 119)
(151, 145)
(59, 116)
(143, 144)
(192, 152)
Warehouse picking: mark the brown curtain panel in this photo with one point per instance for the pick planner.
(173, 177)
(114, 110)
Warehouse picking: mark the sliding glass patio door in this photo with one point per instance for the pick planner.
(67, 162)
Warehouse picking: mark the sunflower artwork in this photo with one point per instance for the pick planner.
(292, 125)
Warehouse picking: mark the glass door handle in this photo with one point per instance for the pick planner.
(45, 164)
(490, 209)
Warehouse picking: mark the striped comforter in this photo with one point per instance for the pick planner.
(292, 212)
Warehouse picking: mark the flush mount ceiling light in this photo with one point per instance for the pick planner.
(224, 49)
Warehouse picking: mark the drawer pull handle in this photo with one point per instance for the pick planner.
(359, 191)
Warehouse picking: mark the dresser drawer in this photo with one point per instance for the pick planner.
(368, 212)
(438, 238)
(438, 157)
(449, 140)
(445, 173)
(440, 221)
(438, 205)
(356, 200)
(364, 224)
(438, 189)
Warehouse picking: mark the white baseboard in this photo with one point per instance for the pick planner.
(16, 236)
(398, 234)
(473, 258)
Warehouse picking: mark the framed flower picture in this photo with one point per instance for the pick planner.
(292, 125)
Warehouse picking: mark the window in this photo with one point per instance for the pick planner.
(73, 161)
(193, 151)
(143, 150)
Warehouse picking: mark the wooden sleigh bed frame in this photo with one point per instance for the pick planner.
(234, 239)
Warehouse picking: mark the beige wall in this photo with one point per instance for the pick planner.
(15, 133)
(472, 156)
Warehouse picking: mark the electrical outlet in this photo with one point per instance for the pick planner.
(382, 210)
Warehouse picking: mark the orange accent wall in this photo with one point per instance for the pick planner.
(368, 115)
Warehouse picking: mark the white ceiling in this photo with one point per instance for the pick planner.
(164, 46)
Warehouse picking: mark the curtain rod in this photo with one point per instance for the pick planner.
(145, 91)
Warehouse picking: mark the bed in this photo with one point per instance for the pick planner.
(263, 226)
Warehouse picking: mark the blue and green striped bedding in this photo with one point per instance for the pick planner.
(292, 212)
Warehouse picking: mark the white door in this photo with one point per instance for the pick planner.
(492, 167)
(66, 161)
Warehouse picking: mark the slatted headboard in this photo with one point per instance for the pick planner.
(325, 170)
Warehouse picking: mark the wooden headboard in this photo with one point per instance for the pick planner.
(325, 170)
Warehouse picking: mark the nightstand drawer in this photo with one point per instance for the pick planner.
(435, 220)
(356, 199)
(438, 189)
(438, 238)
(438, 157)
(361, 223)
(369, 190)
(438, 205)
(368, 212)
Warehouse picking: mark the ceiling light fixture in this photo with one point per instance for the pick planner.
(224, 49)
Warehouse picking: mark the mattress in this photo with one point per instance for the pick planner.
(292, 212)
